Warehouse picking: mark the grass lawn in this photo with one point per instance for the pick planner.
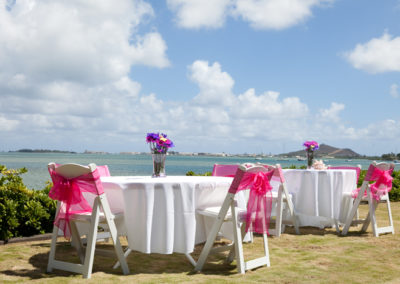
(314, 256)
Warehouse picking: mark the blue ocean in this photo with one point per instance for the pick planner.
(126, 164)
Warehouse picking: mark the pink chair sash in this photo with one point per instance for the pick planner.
(69, 192)
(382, 184)
(103, 171)
(260, 201)
(224, 170)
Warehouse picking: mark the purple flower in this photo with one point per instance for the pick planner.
(159, 143)
(311, 145)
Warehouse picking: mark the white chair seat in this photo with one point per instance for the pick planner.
(86, 217)
(214, 211)
(365, 198)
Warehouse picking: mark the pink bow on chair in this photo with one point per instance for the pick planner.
(69, 192)
(379, 188)
(382, 185)
(260, 201)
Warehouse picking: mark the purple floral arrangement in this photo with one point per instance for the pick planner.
(311, 145)
(159, 143)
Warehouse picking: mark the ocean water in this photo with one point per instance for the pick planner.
(125, 164)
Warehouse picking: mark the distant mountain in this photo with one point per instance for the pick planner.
(326, 150)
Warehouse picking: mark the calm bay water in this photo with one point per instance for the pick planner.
(124, 164)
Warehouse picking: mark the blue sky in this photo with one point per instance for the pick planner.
(228, 76)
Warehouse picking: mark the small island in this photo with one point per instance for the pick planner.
(42, 151)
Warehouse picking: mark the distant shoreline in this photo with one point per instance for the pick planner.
(42, 151)
(191, 154)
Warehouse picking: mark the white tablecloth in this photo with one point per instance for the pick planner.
(318, 195)
(160, 213)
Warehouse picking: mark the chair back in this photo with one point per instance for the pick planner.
(257, 178)
(103, 171)
(278, 173)
(73, 186)
(224, 170)
(356, 168)
(375, 168)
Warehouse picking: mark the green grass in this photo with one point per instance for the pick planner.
(314, 256)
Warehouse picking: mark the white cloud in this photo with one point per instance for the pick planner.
(194, 14)
(7, 124)
(65, 84)
(150, 50)
(215, 85)
(275, 14)
(331, 114)
(377, 55)
(394, 91)
(82, 41)
(261, 14)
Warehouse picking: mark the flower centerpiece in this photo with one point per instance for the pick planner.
(159, 145)
(311, 146)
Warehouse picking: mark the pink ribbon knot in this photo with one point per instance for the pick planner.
(382, 185)
(260, 184)
(260, 200)
(69, 193)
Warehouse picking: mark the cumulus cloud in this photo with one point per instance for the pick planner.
(86, 42)
(194, 14)
(65, 83)
(394, 91)
(215, 85)
(261, 14)
(150, 50)
(242, 116)
(331, 114)
(377, 55)
(275, 14)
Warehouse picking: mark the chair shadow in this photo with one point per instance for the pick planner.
(138, 263)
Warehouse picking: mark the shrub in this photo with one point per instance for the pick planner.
(23, 212)
(192, 173)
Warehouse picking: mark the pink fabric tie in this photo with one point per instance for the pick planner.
(382, 185)
(69, 192)
(260, 201)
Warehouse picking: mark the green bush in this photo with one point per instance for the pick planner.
(192, 173)
(23, 212)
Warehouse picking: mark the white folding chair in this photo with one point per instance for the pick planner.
(358, 172)
(377, 172)
(228, 212)
(67, 178)
(284, 205)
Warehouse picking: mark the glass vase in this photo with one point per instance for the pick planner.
(310, 158)
(159, 165)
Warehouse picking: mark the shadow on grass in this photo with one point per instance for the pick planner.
(139, 263)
